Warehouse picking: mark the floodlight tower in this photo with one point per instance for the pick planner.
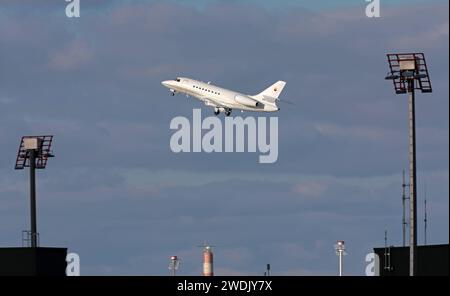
(409, 72)
(34, 152)
(339, 247)
(174, 264)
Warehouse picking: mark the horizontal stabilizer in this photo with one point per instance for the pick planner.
(269, 99)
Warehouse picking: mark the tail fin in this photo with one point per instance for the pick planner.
(272, 91)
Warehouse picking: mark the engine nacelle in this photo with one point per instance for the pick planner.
(246, 101)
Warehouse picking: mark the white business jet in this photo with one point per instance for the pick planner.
(224, 100)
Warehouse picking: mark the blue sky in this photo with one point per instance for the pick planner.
(118, 196)
(271, 5)
(311, 5)
(286, 4)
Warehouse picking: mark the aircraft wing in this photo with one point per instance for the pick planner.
(213, 103)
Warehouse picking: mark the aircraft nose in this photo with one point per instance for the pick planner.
(165, 83)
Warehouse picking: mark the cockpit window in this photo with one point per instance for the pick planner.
(178, 80)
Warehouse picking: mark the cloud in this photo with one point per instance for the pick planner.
(310, 189)
(72, 56)
(358, 132)
(425, 39)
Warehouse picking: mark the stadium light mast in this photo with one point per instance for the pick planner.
(408, 72)
(34, 152)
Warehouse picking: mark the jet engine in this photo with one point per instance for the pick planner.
(246, 101)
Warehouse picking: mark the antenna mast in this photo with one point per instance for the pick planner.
(404, 198)
(425, 220)
(387, 253)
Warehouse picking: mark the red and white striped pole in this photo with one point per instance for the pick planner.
(208, 262)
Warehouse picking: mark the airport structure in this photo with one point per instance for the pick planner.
(208, 264)
(408, 72)
(339, 247)
(394, 261)
(267, 272)
(34, 152)
(32, 259)
(174, 265)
